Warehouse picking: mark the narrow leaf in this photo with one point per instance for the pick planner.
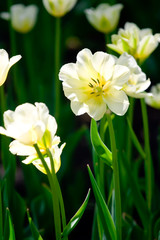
(1, 214)
(76, 218)
(34, 230)
(9, 230)
(105, 216)
(135, 140)
(139, 201)
(102, 151)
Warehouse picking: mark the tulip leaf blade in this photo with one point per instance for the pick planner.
(100, 148)
(135, 140)
(105, 216)
(35, 233)
(76, 218)
(9, 233)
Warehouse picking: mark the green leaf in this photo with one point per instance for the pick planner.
(105, 216)
(157, 228)
(34, 230)
(139, 201)
(130, 229)
(76, 218)
(1, 214)
(135, 140)
(100, 148)
(9, 229)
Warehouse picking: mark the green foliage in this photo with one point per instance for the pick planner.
(102, 151)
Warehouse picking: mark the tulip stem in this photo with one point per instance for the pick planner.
(57, 84)
(52, 182)
(116, 180)
(101, 164)
(29, 54)
(59, 193)
(148, 159)
(129, 142)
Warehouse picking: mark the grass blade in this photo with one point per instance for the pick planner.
(105, 216)
(76, 218)
(34, 230)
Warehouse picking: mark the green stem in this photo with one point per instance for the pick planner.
(29, 57)
(59, 193)
(1, 214)
(101, 163)
(57, 83)
(148, 159)
(116, 181)
(129, 142)
(56, 210)
(16, 80)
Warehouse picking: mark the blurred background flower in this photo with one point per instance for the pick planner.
(59, 8)
(105, 17)
(140, 43)
(154, 99)
(23, 18)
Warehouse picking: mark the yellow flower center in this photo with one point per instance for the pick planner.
(96, 87)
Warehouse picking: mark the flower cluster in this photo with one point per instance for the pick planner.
(100, 80)
(31, 124)
(138, 43)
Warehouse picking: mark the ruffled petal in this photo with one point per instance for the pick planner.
(20, 149)
(117, 101)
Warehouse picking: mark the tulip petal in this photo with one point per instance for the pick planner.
(117, 101)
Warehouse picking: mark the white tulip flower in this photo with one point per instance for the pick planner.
(58, 8)
(94, 82)
(138, 43)
(23, 18)
(6, 64)
(137, 82)
(104, 18)
(31, 124)
(154, 99)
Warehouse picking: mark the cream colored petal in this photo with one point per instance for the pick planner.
(3, 131)
(20, 149)
(4, 61)
(120, 75)
(14, 59)
(146, 46)
(5, 15)
(31, 14)
(78, 108)
(52, 125)
(96, 108)
(30, 159)
(5, 64)
(115, 48)
(84, 66)
(68, 74)
(117, 101)
(143, 86)
(33, 135)
(42, 112)
(8, 118)
(103, 63)
(129, 61)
